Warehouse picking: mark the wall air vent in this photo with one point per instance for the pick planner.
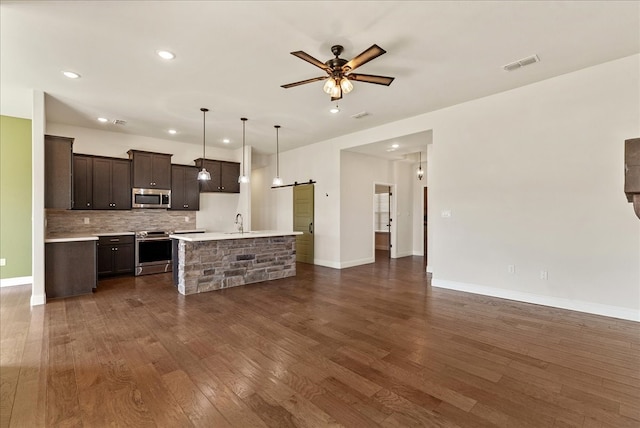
(119, 122)
(360, 115)
(521, 63)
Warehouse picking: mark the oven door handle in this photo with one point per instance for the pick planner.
(153, 239)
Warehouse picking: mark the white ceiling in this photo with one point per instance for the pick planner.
(232, 57)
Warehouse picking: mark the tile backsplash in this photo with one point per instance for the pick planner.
(105, 221)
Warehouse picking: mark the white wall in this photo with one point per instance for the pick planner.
(116, 144)
(359, 173)
(321, 163)
(38, 295)
(404, 174)
(533, 177)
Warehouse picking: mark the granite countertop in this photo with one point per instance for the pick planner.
(222, 236)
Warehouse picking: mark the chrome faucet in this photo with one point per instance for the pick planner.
(239, 224)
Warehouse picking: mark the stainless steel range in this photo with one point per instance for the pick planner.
(153, 252)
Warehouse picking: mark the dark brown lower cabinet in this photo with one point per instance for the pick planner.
(116, 255)
(70, 268)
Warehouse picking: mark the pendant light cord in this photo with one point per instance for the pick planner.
(277, 150)
(204, 130)
(244, 121)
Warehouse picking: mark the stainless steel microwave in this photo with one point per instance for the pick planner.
(151, 198)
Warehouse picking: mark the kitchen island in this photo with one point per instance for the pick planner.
(212, 261)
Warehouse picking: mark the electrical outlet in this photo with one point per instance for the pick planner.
(186, 219)
(544, 274)
(3, 262)
(511, 269)
(445, 213)
(86, 220)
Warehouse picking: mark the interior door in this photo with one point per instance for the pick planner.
(303, 221)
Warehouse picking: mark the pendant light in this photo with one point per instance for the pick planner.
(277, 181)
(203, 174)
(243, 178)
(420, 171)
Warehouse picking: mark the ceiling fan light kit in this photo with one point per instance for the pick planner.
(340, 71)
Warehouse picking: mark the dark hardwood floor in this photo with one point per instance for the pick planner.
(373, 345)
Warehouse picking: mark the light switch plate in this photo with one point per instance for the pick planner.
(3, 262)
(445, 213)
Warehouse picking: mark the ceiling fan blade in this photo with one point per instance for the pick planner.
(305, 56)
(366, 56)
(302, 82)
(370, 78)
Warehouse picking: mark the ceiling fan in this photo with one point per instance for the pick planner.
(340, 71)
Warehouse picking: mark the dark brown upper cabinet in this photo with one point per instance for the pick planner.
(58, 153)
(224, 176)
(82, 182)
(111, 184)
(185, 191)
(151, 170)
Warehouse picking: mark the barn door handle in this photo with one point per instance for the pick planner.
(310, 227)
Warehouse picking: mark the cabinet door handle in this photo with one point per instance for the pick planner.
(115, 240)
(310, 227)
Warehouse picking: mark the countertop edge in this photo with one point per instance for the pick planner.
(70, 239)
(222, 236)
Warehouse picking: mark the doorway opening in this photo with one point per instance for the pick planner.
(382, 220)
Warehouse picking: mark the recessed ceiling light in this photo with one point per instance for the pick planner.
(335, 109)
(391, 150)
(165, 54)
(395, 146)
(226, 141)
(71, 74)
(172, 131)
(103, 119)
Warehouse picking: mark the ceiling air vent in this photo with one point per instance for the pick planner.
(521, 63)
(360, 115)
(119, 122)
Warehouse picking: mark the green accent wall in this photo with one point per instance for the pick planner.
(15, 196)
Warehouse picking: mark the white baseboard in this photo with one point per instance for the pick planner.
(555, 302)
(40, 299)
(359, 262)
(327, 263)
(403, 254)
(19, 280)
(429, 269)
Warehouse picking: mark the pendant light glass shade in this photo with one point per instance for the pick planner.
(420, 172)
(329, 85)
(277, 181)
(203, 174)
(243, 178)
(346, 85)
